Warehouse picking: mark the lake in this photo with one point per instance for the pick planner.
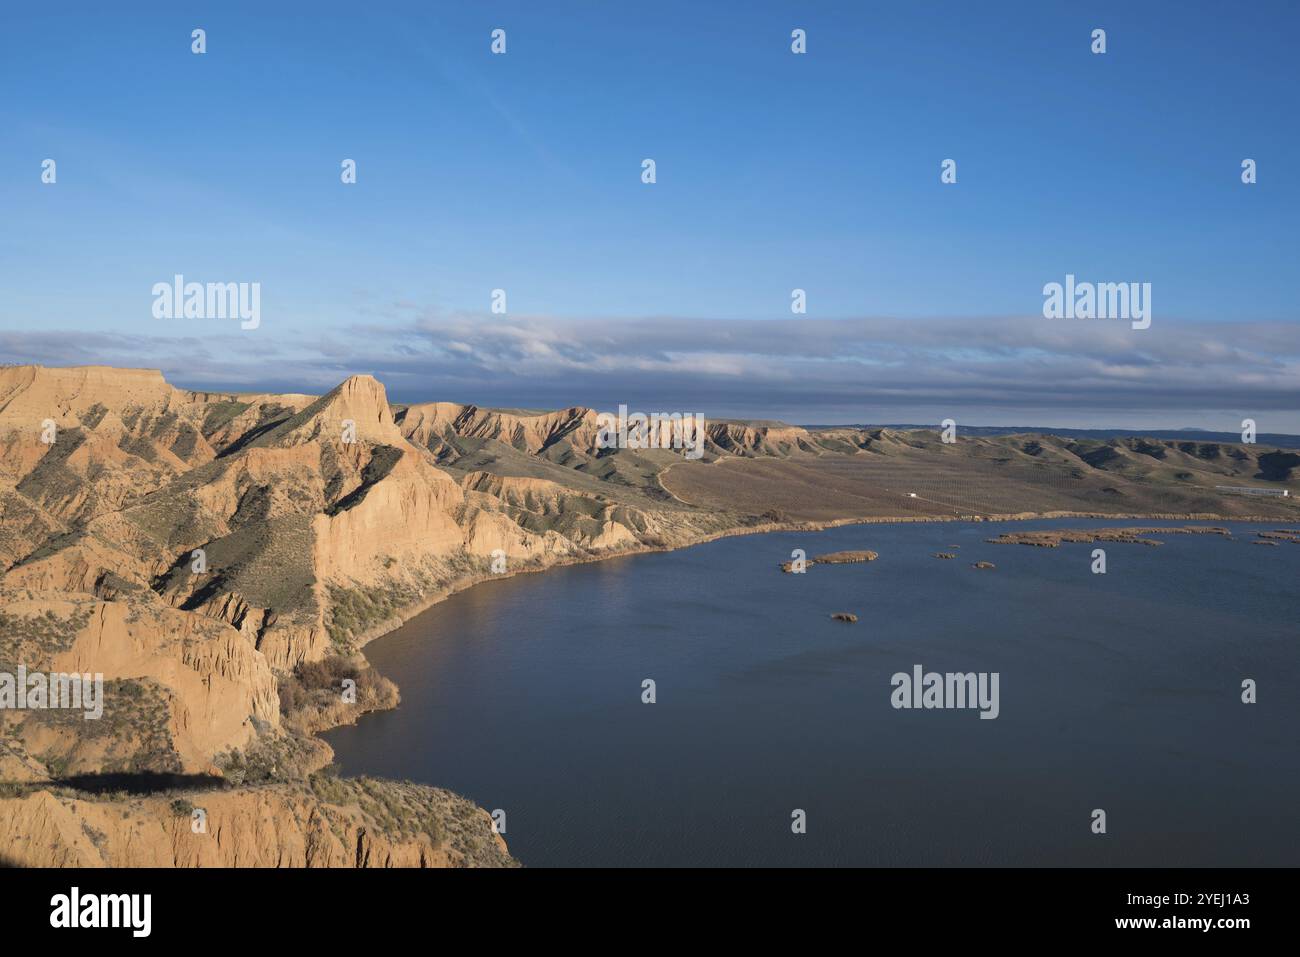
(1119, 692)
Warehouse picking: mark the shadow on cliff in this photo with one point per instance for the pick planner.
(143, 783)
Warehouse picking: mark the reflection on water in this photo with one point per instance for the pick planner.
(1118, 691)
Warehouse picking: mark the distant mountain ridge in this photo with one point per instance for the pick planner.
(1280, 439)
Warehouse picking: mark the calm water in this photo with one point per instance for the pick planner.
(1117, 691)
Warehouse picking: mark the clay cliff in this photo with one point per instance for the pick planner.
(200, 550)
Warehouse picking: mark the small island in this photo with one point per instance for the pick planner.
(834, 558)
(1131, 536)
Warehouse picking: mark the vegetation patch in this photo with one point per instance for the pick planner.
(355, 611)
(30, 639)
(314, 691)
(132, 736)
(220, 414)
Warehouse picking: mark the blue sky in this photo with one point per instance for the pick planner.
(775, 171)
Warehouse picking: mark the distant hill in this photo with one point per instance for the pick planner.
(1279, 439)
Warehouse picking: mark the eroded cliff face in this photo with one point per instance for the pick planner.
(437, 426)
(267, 512)
(253, 827)
(179, 688)
(200, 549)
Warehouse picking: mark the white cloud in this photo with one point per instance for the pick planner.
(1029, 370)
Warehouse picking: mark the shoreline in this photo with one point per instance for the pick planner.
(413, 611)
(389, 625)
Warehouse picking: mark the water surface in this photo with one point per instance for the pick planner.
(1119, 691)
